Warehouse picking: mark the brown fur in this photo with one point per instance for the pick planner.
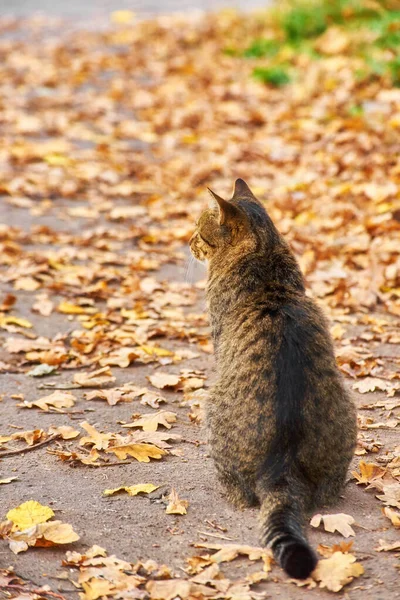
(282, 428)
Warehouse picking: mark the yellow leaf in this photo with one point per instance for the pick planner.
(97, 587)
(10, 320)
(97, 378)
(133, 490)
(393, 516)
(176, 506)
(340, 522)
(98, 440)
(156, 350)
(8, 480)
(338, 570)
(58, 533)
(141, 452)
(57, 400)
(70, 309)
(164, 380)
(151, 421)
(28, 514)
(368, 472)
(122, 17)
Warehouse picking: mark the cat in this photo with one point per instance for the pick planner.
(282, 427)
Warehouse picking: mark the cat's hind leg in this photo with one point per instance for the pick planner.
(238, 489)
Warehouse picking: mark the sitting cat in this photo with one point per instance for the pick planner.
(282, 427)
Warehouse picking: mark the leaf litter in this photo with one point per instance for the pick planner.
(331, 184)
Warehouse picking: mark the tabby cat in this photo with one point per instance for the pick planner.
(282, 427)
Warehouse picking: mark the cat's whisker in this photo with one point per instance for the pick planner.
(189, 269)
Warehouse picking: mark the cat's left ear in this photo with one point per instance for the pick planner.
(228, 212)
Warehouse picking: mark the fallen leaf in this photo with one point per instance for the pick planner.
(151, 421)
(164, 380)
(133, 490)
(337, 571)
(57, 400)
(8, 480)
(141, 452)
(393, 516)
(340, 522)
(368, 472)
(42, 370)
(388, 546)
(29, 513)
(176, 506)
(97, 378)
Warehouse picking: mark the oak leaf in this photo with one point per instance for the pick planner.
(151, 421)
(335, 572)
(339, 522)
(56, 401)
(393, 516)
(133, 490)
(140, 452)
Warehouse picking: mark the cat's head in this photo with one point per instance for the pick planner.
(230, 224)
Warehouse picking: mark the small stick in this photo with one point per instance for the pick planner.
(51, 438)
(216, 535)
(22, 588)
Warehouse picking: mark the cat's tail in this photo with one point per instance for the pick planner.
(282, 532)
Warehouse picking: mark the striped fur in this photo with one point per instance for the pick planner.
(282, 427)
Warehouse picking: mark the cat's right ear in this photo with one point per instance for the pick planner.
(228, 212)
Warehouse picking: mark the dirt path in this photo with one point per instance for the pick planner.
(102, 178)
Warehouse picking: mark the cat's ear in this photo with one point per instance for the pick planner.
(242, 190)
(228, 212)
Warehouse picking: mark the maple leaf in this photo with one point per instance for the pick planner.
(133, 490)
(151, 421)
(29, 513)
(340, 522)
(56, 401)
(337, 571)
(141, 452)
(176, 506)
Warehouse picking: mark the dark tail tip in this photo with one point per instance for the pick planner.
(298, 560)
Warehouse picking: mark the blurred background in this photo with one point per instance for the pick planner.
(101, 8)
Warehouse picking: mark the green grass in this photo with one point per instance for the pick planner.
(276, 76)
(295, 26)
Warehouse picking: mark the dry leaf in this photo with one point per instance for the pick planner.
(141, 452)
(8, 480)
(29, 513)
(164, 380)
(133, 490)
(368, 472)
(393, 516)
(176, 506)
(56, 401)
(340, 522)
(151, 421)
(337, 571)
(388, 546)
(95, 378)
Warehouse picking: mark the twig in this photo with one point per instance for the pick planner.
(51, 438)
(216, 535)
(41, 591)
